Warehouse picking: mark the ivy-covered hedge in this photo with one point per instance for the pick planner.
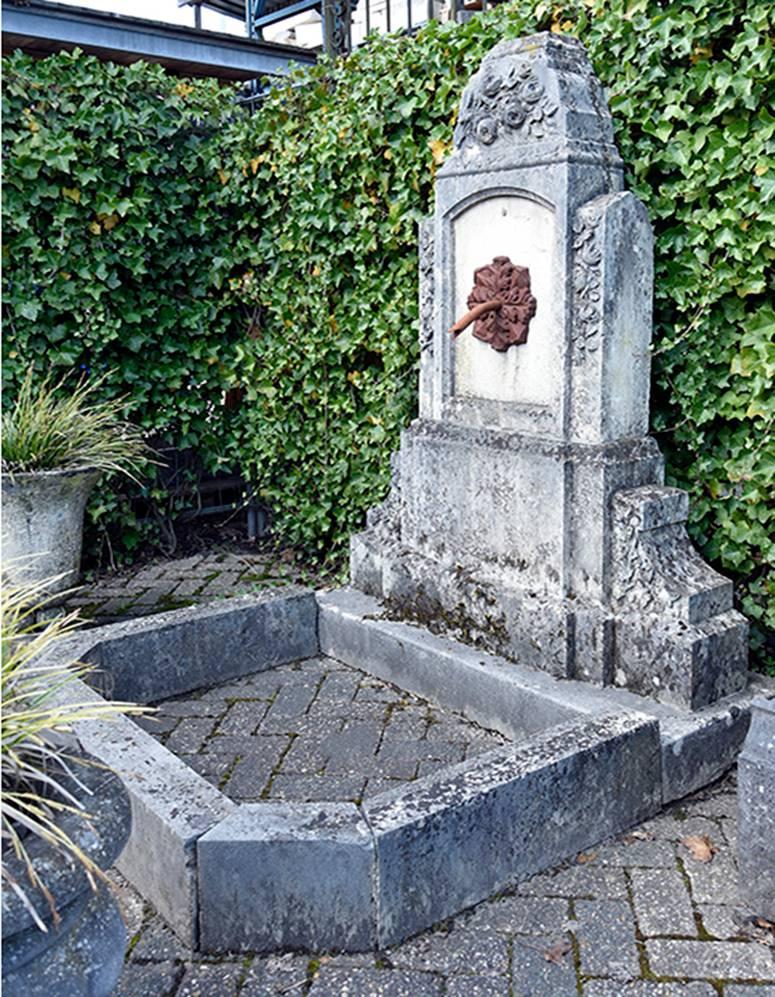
(154, 230)
(117, 242)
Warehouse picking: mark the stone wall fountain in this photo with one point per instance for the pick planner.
(528, 508)
(528, 571)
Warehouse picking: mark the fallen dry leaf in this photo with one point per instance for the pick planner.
(701, 847)
(764, 924)
(585, 858)
(557, 952)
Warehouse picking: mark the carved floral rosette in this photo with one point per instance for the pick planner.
(514, 101)
(508, 284)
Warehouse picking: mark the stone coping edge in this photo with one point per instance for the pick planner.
(174, 808)
(172, 805)
(697, 746)
(341, 877)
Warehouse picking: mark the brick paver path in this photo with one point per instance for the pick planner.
(640, 916)
(313, 730)
(172, 584)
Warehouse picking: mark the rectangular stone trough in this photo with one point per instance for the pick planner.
(580, 764)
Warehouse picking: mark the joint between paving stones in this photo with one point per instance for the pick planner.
(640, 938)
(267, 790)
(224, 780)
(703, 934)
(575, 947)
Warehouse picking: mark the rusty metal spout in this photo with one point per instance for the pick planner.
(476, 312)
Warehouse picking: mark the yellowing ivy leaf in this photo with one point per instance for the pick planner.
(72, 194)
(755, 409)
(701, 52)
(108, 221)
(223, 176)
(95, 228)
(183, 89)
(438, 150)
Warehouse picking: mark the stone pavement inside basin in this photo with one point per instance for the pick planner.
(310, 731)
(642, 916)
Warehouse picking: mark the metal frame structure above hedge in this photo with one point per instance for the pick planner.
(41, 28)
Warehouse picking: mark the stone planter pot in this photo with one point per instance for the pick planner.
(83, 955)
(43, 525)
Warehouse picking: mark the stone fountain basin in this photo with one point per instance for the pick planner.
(581, 764)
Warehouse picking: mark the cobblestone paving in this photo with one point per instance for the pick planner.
(172, 584)
(636, 917)
(313, 730)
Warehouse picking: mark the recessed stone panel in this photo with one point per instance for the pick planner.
(522, 229)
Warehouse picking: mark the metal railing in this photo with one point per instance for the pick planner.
(342, 25)
(335, 26)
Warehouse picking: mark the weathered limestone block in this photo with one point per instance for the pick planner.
(676, 630)
(756, 796)
(527, 514)
(450, 840)
(287, 875)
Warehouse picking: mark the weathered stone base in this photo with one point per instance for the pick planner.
(669, 659)
(609, 589)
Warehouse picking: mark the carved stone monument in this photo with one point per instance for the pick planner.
(528, 512)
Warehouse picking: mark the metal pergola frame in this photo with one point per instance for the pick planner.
(40, 28)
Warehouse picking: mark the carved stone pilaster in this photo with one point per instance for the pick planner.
(587, 282)
(426, 246)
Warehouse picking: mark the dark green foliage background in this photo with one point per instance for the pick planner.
(117, 243)
(277, 252)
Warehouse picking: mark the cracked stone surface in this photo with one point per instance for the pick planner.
(313, 730)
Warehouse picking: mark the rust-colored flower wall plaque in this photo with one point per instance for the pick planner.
(501, 305)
